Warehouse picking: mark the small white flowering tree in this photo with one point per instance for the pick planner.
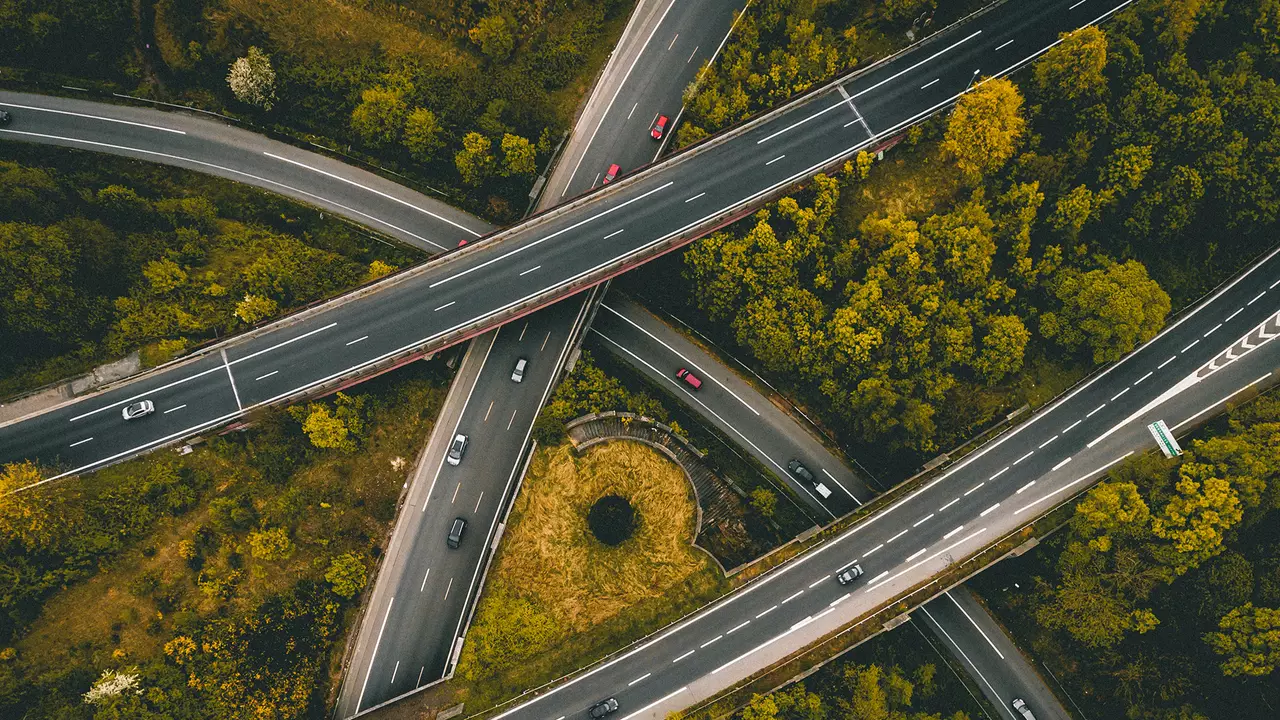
(252, 79)
(113, 684)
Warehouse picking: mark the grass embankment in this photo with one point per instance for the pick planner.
(223, 579)
(557, 598)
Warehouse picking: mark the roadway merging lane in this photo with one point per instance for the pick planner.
(546, 259)
(1208, 356)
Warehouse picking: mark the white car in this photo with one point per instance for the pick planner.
(457, 449)
(142, 408)
(849, 574)
(1021, 706)
(518, 374)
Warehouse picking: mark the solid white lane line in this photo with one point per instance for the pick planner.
(816, 583)
(657, 702)
(931, 82)
(279, 345)
(263, 180)
(838, 600)
(703, 645)
(80, 442)
(1144, 377)
(1046, 442)
(976, 625)
(874, 584)
(688, 361)
(842, 487)
(695, 52)
(1024, 457)
(97, 117)
(1257, 297)
(766, 612)
(695, 197)
(953, 502)
(1004, 45)
(264, 377)
(526, 272)
(738, 627)
(374, 655)
(1078, 480)
(379, 193)
(359, 339)
(615, 232)
(963, 654)
(873, 550)
(609, 106)
(792, 596)
(775, 159)
(953, 532)
(683, 656)
(1117, 395)
(1166, 362)
(1232, 315)
(424, 580)
(673, 41)
(922, 520)
(393, 672)
(988, 510)
(1060, 465)
(175, 409)
(917, 554)
(454, 302)
(642, 677)
(535, 243)
(1212, 330)
(1094, 411)
(895, 537)
(1220, 401)
(1024, 488)
(1197, 342)
(227, 364)
(1002, 471)
(1072, 425)
(880, 576)
(975, 487)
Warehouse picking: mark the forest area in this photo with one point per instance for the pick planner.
(1048, 225)
(216, 584)
(101, 256)
(465, 96)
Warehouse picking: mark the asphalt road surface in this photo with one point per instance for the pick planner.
(216, 147)
(997, 665)
(729, 403)
(546, 259)
(1208, 356)
(408, 636)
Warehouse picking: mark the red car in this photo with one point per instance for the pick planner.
(659, 127)
(690, 379)
(613, 173)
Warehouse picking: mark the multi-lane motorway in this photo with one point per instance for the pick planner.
(1202, 360)
(423, 591)
(539, 261)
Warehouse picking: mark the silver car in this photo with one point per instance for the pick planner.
(142, 408)
(1021, 706)
(849, 574)
(457, 449)
(518, 374)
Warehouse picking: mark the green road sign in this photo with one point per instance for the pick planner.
(1168, 445)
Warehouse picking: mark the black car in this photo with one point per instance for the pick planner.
(800, 471)
(455, 533)
(602, 708)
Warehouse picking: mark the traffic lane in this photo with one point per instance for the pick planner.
(688, 35)
(868, 538)
(433, 593)
(731, 413)
(1000, 668)
(774, 429)
(216, 147)
(574, 242)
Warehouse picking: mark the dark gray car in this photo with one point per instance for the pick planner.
(602, 708)
(455, 533)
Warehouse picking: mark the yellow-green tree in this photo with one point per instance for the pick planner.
(423, 134)
(270, 544)
(1248, 638)
(325, 430)
(254, 308)
(1072, 69)
(494, 36)
(475, 160)
(24, 514)
(984, 128)
(1194, 519)
(1109, 310)
(380, 116)
(347, 574)
(519, 156)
